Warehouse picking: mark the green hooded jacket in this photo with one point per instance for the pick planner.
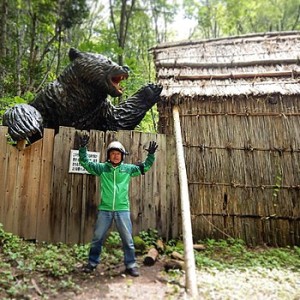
(114, 181)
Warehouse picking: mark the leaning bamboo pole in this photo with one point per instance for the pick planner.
(190, 268)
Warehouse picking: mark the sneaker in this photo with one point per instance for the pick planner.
(88, 268)
(132, 271)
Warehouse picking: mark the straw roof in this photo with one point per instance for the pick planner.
(257, 64)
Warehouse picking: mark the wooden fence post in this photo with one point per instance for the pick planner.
(190, 268)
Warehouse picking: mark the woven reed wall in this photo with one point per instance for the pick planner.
(242, 158)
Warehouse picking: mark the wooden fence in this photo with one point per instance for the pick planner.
(41, 200)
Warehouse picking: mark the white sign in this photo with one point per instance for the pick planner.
(75, 166)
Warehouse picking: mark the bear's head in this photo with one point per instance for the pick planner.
(98, 71)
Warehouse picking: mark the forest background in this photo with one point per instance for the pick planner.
(35, 36)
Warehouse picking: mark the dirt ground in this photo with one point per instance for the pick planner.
(153, 283)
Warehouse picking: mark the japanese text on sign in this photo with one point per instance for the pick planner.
(75, 167)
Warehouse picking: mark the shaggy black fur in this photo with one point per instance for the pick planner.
(78, 98)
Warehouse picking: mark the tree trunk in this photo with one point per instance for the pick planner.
(151, 257)
(19, 54)
(173, 264)
(160, 246)
(3, 36)
(199, 247)
(31, 62)
(177, 256)
(3, 28)
(122, 29)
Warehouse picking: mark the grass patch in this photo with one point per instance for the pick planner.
(25, 265)
(233, 253)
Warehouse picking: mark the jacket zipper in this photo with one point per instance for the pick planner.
(114, 199)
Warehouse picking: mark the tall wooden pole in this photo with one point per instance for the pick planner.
(190, 269)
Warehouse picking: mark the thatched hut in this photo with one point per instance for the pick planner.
(239, 101)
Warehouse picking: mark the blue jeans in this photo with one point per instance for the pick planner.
(124, 227)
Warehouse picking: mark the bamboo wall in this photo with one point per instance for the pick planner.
(243, 163)
(41, 200)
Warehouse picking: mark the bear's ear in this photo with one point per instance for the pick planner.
(74, 53)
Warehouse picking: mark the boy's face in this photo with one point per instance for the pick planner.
(115, 157)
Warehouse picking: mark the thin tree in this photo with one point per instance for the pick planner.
(3, 35)
(121, 28)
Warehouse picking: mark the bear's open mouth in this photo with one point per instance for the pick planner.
(115, 80)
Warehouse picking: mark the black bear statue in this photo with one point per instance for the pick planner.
(78, 98)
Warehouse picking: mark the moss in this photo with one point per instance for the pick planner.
(139, 244)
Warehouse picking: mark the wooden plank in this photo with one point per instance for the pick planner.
(60, 177)
(149, 205)
(57, 203)
(3, 170)
(10, 205)
(85, 226)
(73, 198)
(27, 194)
(72, 192)
(110, 136)
(43, 206)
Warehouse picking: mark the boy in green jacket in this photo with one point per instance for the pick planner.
(114, 176)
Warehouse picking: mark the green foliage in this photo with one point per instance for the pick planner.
(39, 35)
(28, 259)
(149, 123)
(174, 245)
(113, 240)
(7, 102)
(55, 260)
(218, 18)
(233, 253)
(112, 252)
(149, 236)
(80, 251)
(72, 12)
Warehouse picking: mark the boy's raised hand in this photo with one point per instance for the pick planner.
(152, 147)
(84, 140)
